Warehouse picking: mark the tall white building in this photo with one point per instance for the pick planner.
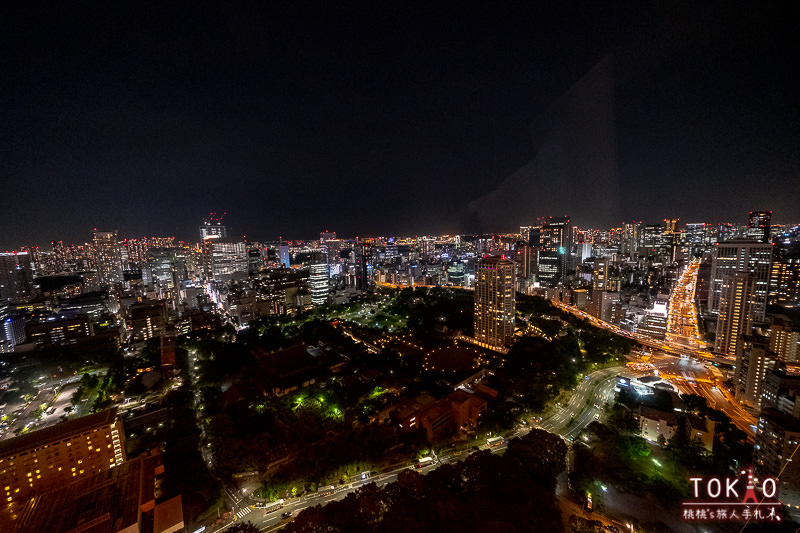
(318, 279)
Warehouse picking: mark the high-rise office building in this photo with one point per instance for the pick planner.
(525, 261)
(16, 277)
(735, 312)
(630, 238)
(784, 282)
(253, 261)
(752, 363)
(107, 257)
(758, 226)
(333, 247)
(494, 301)
(14, 329)
(555, 250)
(654, 241)
(161, 261)
(726, 231)
(741, 255)
(672, 236)
(600, 274)
(326, 235)
(284, 255)
(364, 266)
(228, 259)
(525, 234)
(318, 279)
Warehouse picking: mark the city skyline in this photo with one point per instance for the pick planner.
(190, 236)
(395, 266)
(393, 120)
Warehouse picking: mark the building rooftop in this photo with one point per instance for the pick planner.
(55, 433)
(656, 414)
(696, 423)
(107, 502)
(495, 261)
(169, 516)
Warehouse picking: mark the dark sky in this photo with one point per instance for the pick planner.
(392, 117)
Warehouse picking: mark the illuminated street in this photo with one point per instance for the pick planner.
(682, 317)
(693, 379)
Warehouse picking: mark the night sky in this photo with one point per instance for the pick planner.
(399, 118)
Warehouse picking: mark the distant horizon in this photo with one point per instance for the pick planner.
(47, 244)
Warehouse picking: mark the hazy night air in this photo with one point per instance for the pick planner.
(292, 118)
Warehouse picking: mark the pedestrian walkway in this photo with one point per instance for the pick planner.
(244, 512)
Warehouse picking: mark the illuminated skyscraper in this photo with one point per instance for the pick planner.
(494, 301)
(326, 235)
(784, 283)
(699, 234)
(600, 274)
(630, 238)
(229, 259)
(107, 258)
(672, 236)
(318, 279)
(555, 250)
(334, 250)
(525, 253)
(735, 312)
(284, 254)
(758, 226)
(741, 256)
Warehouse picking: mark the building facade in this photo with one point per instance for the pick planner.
(494, 301)
(49, 458)
(776, 441)
(752, 363)
(107, 258)
(758, 226)
(318, 279)
(741, 256)
(16, 277)
(735, 312)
